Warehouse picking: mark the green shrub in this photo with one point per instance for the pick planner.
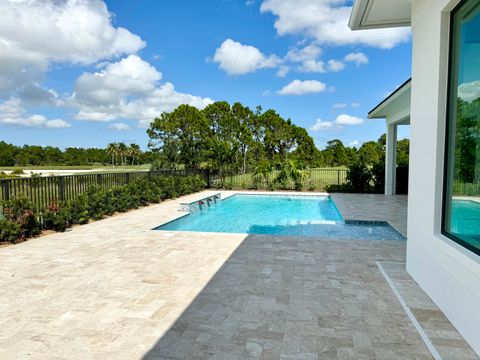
(17, 172)
(55, 218)
(21, 210)
(77, 210)
(10, 231)
(167, 183)
(466, 189)
(96, 202)
(378, 177)
(311, 184)
(338, 188)
(359, 177)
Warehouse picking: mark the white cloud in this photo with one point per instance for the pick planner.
(53, 124)
(338, 123)
(119, 127)
(128, 89)
(469, 91)
(283, 71)
(298, 87)
(12, 113)
(323, 125)
(34, 34)
(335, 65)
(354, 143)
(249, 2)
(309, 52)
(313, 66)
(127, 77)
(308, 58)
(237, 59)
(345, 105)
(326, 21)
(344, 119)
(358, 58)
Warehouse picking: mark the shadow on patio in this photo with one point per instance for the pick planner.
(282, 297)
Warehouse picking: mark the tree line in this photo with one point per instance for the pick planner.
(229, 138)
(234, 138)
(33, 155)
(370, 153)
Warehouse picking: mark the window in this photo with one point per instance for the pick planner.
(461, 209)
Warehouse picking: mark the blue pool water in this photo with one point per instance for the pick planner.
(466, 221)
(280, 215)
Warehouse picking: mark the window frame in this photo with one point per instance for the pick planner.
(448, 127)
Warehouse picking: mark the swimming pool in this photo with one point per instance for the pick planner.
(288, 215)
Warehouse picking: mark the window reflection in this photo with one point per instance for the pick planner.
(462, 172)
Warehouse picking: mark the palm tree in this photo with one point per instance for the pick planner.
(122, 151)
(263, 170)
(134, 152)
(112, 151)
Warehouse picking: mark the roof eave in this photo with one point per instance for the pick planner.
(376, 112)
(359, 14)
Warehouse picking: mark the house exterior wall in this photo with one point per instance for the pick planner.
(448, 273)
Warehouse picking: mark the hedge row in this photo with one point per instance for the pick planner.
(21, 220)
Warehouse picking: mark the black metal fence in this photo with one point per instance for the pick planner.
(43, 191)
(314, 179)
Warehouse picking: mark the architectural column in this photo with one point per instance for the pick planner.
(391, 159)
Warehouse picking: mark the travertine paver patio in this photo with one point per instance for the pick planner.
(374, 207)
(115, 289)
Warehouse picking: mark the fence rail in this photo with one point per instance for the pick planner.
(43, 191)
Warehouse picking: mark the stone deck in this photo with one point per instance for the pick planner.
(115, 289)
(374, 207)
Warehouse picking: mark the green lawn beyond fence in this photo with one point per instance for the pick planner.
(43, 191)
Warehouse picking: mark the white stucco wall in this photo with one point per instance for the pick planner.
(449, 273)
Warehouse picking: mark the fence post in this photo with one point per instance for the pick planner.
(6, 190)
(338, 177)
(99, 179)
(127, 178)
(149, 175)
(208, 178)
(61, 188)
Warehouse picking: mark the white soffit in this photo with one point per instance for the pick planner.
(373, 14)
(396, 102)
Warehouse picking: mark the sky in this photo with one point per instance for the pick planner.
(86, 73)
